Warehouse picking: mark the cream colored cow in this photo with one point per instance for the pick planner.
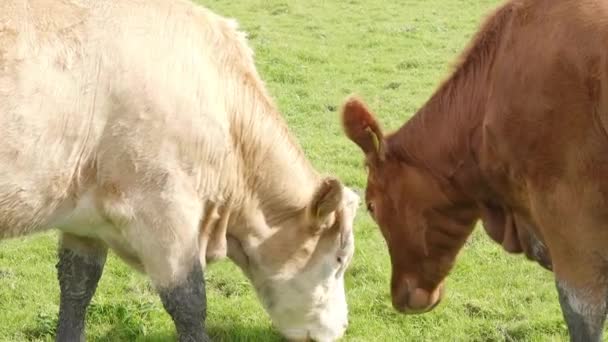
(143, 126)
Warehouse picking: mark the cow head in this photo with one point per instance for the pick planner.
(297, 263)
(422, 220)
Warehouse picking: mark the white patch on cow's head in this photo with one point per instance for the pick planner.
(298, 269)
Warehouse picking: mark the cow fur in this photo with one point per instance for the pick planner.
(516, 137)
(143, 126)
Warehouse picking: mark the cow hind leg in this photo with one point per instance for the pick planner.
(80, 266)
(584, 318)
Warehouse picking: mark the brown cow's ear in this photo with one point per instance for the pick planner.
(326, 200)
(361, 127)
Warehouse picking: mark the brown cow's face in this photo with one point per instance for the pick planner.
(407, 205)
(423, 228)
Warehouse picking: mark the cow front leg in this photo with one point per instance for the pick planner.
(171, 259)
(584, 316)
(186, 303)
(80, 266)
(163, 233)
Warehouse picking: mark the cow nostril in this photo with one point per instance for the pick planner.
(400, 298)
(419, 299)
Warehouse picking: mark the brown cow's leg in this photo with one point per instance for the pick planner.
(582, 295)
(582, 290)
(80, 266)
(585, 320)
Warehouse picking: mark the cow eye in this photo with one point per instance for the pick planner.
(340, 259)
(370, 207)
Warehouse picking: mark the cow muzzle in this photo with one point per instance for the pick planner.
(414, 300)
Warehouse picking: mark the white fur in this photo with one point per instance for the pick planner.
(144, 124)
(311, 302)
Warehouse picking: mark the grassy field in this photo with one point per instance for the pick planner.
(311, 54)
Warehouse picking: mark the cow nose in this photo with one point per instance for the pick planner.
(416, 300)
(420, 299)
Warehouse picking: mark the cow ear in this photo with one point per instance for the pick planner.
(361, 127)
(326, 200)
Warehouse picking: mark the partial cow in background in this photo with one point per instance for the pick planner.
(143, 126)
(517, 137)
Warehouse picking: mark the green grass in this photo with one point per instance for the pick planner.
(312, 54)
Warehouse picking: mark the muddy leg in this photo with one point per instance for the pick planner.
(163, 232)
(79, 268)
(172, 261)
(186, 303)
(585, 319)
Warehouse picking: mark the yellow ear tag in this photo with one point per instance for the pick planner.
(377, 144)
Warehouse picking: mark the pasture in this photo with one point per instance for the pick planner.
(311, 54)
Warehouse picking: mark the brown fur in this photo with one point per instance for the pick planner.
(516, 137)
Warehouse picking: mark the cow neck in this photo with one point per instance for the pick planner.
(445, 135)
(441, 139)
(277, 176)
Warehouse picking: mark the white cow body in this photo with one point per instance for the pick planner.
(143, 126)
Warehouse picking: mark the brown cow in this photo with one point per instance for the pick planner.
(516, 137)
